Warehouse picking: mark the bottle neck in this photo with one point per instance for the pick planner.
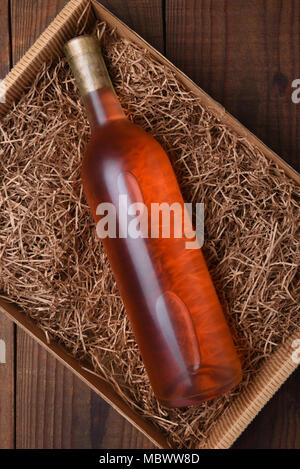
(86, 61)
(102, 106)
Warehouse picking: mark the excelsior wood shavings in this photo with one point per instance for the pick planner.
(54, 267)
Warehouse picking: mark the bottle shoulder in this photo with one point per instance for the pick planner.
(119, 137)
(121, 151)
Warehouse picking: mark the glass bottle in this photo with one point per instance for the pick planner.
(175, 313)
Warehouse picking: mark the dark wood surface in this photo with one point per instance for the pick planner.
(245, 54)
(7, 328)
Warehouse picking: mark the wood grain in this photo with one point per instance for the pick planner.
(53, 408)
(7, 327)
(29, 18)
(48, 398)
(278, 424)
(115, 432)
(56, 410)
(235, 69)
(144, 16)
(7, 385)
(5, 39)
(245, 55)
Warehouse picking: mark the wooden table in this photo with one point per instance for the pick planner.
(246, 55)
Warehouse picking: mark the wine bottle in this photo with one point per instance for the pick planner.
(168, 294)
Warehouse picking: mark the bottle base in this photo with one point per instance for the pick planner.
(201, 397)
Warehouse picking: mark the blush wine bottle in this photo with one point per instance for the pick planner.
(169, 296)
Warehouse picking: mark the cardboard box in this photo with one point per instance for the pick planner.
(276, 369)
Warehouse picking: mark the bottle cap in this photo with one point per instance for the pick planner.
(85, 58)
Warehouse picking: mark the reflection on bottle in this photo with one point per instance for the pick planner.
(178, 329)
(131, 202)
(128, 185)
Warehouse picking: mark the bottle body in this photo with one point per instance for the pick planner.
(166, 288)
